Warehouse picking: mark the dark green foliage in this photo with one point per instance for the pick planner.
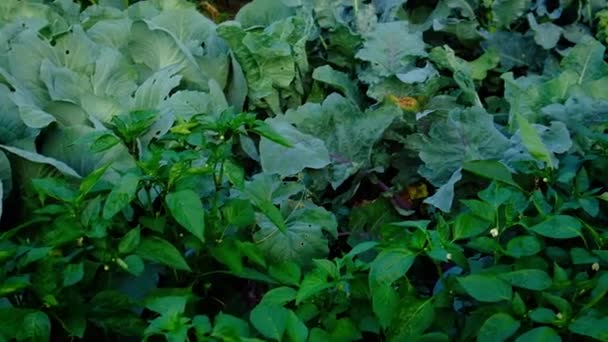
(312, 171)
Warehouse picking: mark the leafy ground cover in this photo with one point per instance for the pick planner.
(313, 170)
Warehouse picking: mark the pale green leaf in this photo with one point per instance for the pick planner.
(338, 80)
(335, 122)
(506, 11)
(307, 151)
(532, 141)
(37, 158)
(391, 48)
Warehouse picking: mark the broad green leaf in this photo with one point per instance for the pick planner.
(135, 265)
(518, 305)
(539, 334)
(270, 320)
(418, 75)
(338, 80)
(515, 49)
(63, 230)
(591, 324)
(295, 329)
(545, 34)
(263, 12)
(385, 303)
(161, 251)
(253, 253)
(468, 225)
(559, 227)
(33, 255)
(265, 130)
(13, 284)
(239, 212)
(480, 209)
(270, 58)
(89, 182)
(171, 304)
(229, 327)
(391, 47)
(6, 177)
(486, 288)
(55, 188)
(158, 48)
(73, 273)
(36, 326)
(484, 244)
(533, 142)
(336, 121)
(129, 241)
(303, 238)
(523, 246)
(444, 196)
(121, 195)
(188, 26)
(313, 283)
(563, 305)
(543, 315)
(506, 11)
(104, 142)
(496, 195)
(390, 265)
(444, 150)
(586, 60)
(259, 191)
(228, 254)
(307, 151)
(187, 209)
(490, 169)
(234, 173)
(286, 272)
(361, 248)
(499, 327)
(412, 319)
(464, 72)
(530, 279)
(202, 326)
(12, 127)
(344, 329)
(279, 296)
(63, 84)
(40, 159)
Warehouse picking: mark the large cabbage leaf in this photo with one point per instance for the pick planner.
(64, 74)
(336, 121)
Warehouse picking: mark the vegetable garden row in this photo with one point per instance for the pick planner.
(310, 170)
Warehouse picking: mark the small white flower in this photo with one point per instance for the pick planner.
(595, 266)
(106, 267)
(448, 256)
(494, 232)
(559, 315)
